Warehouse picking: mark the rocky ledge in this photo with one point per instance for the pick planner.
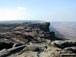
(32, 40)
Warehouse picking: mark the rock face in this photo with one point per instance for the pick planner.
(31, 40)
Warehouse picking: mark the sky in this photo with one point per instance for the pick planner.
(47, 10)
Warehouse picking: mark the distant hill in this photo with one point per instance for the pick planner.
(21, 21)
(64, 29)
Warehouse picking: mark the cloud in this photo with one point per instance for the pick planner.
(21, 8)
(13, 14)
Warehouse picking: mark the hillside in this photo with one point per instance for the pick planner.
(64, 29)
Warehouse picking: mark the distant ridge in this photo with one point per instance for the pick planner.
(21, 21)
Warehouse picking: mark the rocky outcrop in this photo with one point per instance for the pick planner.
(26, 32)
(64, 44)
(32, 40)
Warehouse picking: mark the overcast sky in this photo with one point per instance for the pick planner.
(49, 10)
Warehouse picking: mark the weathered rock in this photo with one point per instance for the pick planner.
(26, 32)
(21, 49)
(9, 52)
(28, 54)
(32, 40)
(17, 44)
(64, 44)
(4, 45)
(49, 52)
(73, 49)
(45, 26)
(35, 47)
